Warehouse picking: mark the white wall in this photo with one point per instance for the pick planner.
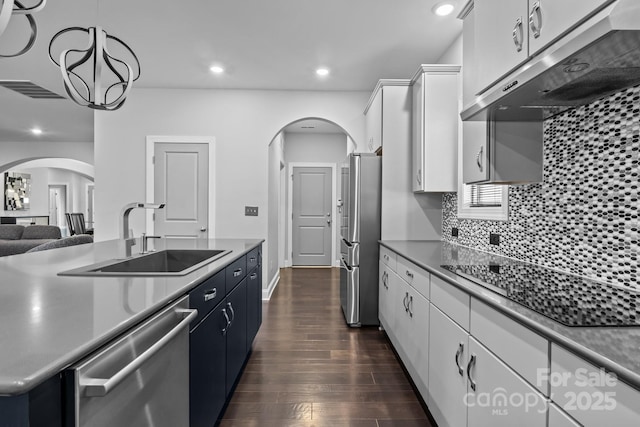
(243, 122)
(276, 161)
(453, 54)
(314, 148)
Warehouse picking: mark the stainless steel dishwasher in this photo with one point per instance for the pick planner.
(141, 379)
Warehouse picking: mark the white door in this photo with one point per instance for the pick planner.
(181, 181)
(312, 222)
(57, 205)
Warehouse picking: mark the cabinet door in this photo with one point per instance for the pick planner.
(236, 306)
(417, 142)
(501, 41)
(373, 124)
(417, 347)
(475, 152)
(448, 352)
(385, 297)
(549, 19)
(254, 304)
(207, 367)
(498, 397)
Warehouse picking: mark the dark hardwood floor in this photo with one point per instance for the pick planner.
(308, 368)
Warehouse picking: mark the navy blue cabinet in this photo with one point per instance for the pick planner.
(229, 315)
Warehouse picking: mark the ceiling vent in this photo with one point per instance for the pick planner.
(29, 89)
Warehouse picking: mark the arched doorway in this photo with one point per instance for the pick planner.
(313, 145)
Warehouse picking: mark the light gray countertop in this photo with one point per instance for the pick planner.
(49, 321)
(613, 348)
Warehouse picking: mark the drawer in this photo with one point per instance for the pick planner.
(451, 301)
(523, 350)
(253, 259)
(388, 257)
(207, 295)
(235, 272)
(589, 395)
(413, 275)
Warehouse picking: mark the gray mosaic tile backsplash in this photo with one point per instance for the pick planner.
(583, 217)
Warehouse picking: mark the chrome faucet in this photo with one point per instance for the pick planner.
(124, 218)
(145, 244)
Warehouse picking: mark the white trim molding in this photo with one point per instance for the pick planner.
(266, 293)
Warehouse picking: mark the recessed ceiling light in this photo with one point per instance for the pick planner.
(36, 131)
(322, 71)
(443, 9)
(216, 69)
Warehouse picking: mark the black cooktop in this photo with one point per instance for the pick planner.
(568, 299)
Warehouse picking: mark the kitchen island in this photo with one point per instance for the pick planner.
(50, 321)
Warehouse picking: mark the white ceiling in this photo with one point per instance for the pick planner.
(262, 44)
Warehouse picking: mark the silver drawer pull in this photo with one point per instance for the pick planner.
(254, 276)
(252, 259)
(386, 257)
(98, 387)
(226, 317)
(237, 272)
(535, 15)
(458, 354)
(409, 274)
(209, 295)
(472, 363)
(518, 35)
(233, 313)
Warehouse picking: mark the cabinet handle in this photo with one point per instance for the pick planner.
(386, 257)
(237, 272)
(253, 276)
(536, 14)
(405, 302)
(518, 34)
(458, 354)
(410, 306)
(419, 177)
(226, 316)
(384, 279)
(233, 313)
(471, 364)
(409, 274)
(479, 158)
(211, 294)
(252, 259)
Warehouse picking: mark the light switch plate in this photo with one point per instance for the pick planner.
(250, 211)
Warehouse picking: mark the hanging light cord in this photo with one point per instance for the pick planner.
(14, 7)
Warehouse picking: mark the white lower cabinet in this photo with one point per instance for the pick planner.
(591, 395)
(387, 297)
(557, 418)
(498, 397)
(447, 377)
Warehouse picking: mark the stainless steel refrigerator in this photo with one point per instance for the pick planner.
(360, 232)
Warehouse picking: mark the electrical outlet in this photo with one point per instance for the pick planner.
(494, 239)
(250, 211)
(454, 231)
(494, 268)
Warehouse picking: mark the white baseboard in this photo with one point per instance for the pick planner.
(266, 293)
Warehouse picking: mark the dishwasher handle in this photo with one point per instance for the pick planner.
(98, 387)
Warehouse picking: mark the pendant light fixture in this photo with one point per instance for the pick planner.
(14, 7)
(92, 76)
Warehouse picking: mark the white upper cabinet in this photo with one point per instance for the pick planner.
(373, 123)
(549, 19)
(435, 109)
(501, 41)
(507, 33)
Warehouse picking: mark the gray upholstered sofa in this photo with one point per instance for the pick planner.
(17, 239)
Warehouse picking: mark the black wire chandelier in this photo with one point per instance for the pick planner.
(10, 8)
(103, 83)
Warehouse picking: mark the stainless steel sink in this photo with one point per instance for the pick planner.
(170, 262)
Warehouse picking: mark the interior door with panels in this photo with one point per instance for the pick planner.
(182, 183)
(312, 222)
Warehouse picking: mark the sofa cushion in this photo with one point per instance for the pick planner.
(14, 247)
(78, 239)
(41, 232)
(11, 231)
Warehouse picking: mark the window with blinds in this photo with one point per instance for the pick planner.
(482, 196)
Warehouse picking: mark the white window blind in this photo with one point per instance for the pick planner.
(482, 196)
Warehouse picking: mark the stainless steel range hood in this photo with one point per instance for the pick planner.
(599, 57)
